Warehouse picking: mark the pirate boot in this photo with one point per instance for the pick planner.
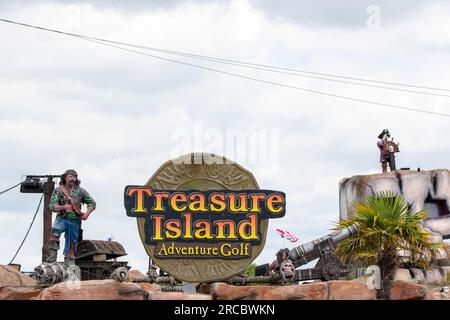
(384, 167)
(69, 261)
(392, 162)
(53, 248)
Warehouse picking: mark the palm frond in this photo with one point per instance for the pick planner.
(385, 225)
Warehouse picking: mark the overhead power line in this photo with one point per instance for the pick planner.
(242, 63)
(275, 83)
(246, 65)
(108, 43)
(292, 72)
(253, 66)
(10, 188)
(264, 67)
(28, 231)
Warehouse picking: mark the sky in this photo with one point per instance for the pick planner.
(116, 116)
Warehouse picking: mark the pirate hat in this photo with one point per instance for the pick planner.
(385, 131)
(65, 174)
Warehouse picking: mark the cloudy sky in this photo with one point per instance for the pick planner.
(115, 116)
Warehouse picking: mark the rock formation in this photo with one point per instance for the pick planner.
(15, 285)
(96, 290)
(331, 290)
(10, 277)
(429, 190)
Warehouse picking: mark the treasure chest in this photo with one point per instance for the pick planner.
(97, 259)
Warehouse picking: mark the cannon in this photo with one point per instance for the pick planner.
(48, 274)
(329, 266)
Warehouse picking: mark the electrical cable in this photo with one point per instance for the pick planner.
(275, 83)
(249, 64)
(4, 191)
(26, 235)
(102, 41)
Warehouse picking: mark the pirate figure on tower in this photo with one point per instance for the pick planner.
(388, 148)
(67, 200)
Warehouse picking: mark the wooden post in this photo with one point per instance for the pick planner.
(48, 191)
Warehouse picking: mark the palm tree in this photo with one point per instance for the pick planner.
(385, 226)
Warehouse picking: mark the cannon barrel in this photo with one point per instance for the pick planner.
(50, 273)
(310, 251)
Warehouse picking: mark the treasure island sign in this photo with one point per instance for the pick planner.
(203, 218)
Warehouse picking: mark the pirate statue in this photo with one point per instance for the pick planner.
(283, 266)
(282, 255)
(388, 148)
(67, 200)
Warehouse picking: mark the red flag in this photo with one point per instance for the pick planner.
(287, 235)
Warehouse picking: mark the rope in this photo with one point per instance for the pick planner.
(4, 191)
(172, 289)
(158, 280)
(242, 281)
(26, 235)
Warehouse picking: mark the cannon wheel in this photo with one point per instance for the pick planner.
(331, 271)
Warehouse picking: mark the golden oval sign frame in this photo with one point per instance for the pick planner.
(202, 171)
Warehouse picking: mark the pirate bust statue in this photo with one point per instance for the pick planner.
(283, 266)
(388, 148)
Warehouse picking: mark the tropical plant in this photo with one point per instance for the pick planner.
(251, 270)
(385, 228)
